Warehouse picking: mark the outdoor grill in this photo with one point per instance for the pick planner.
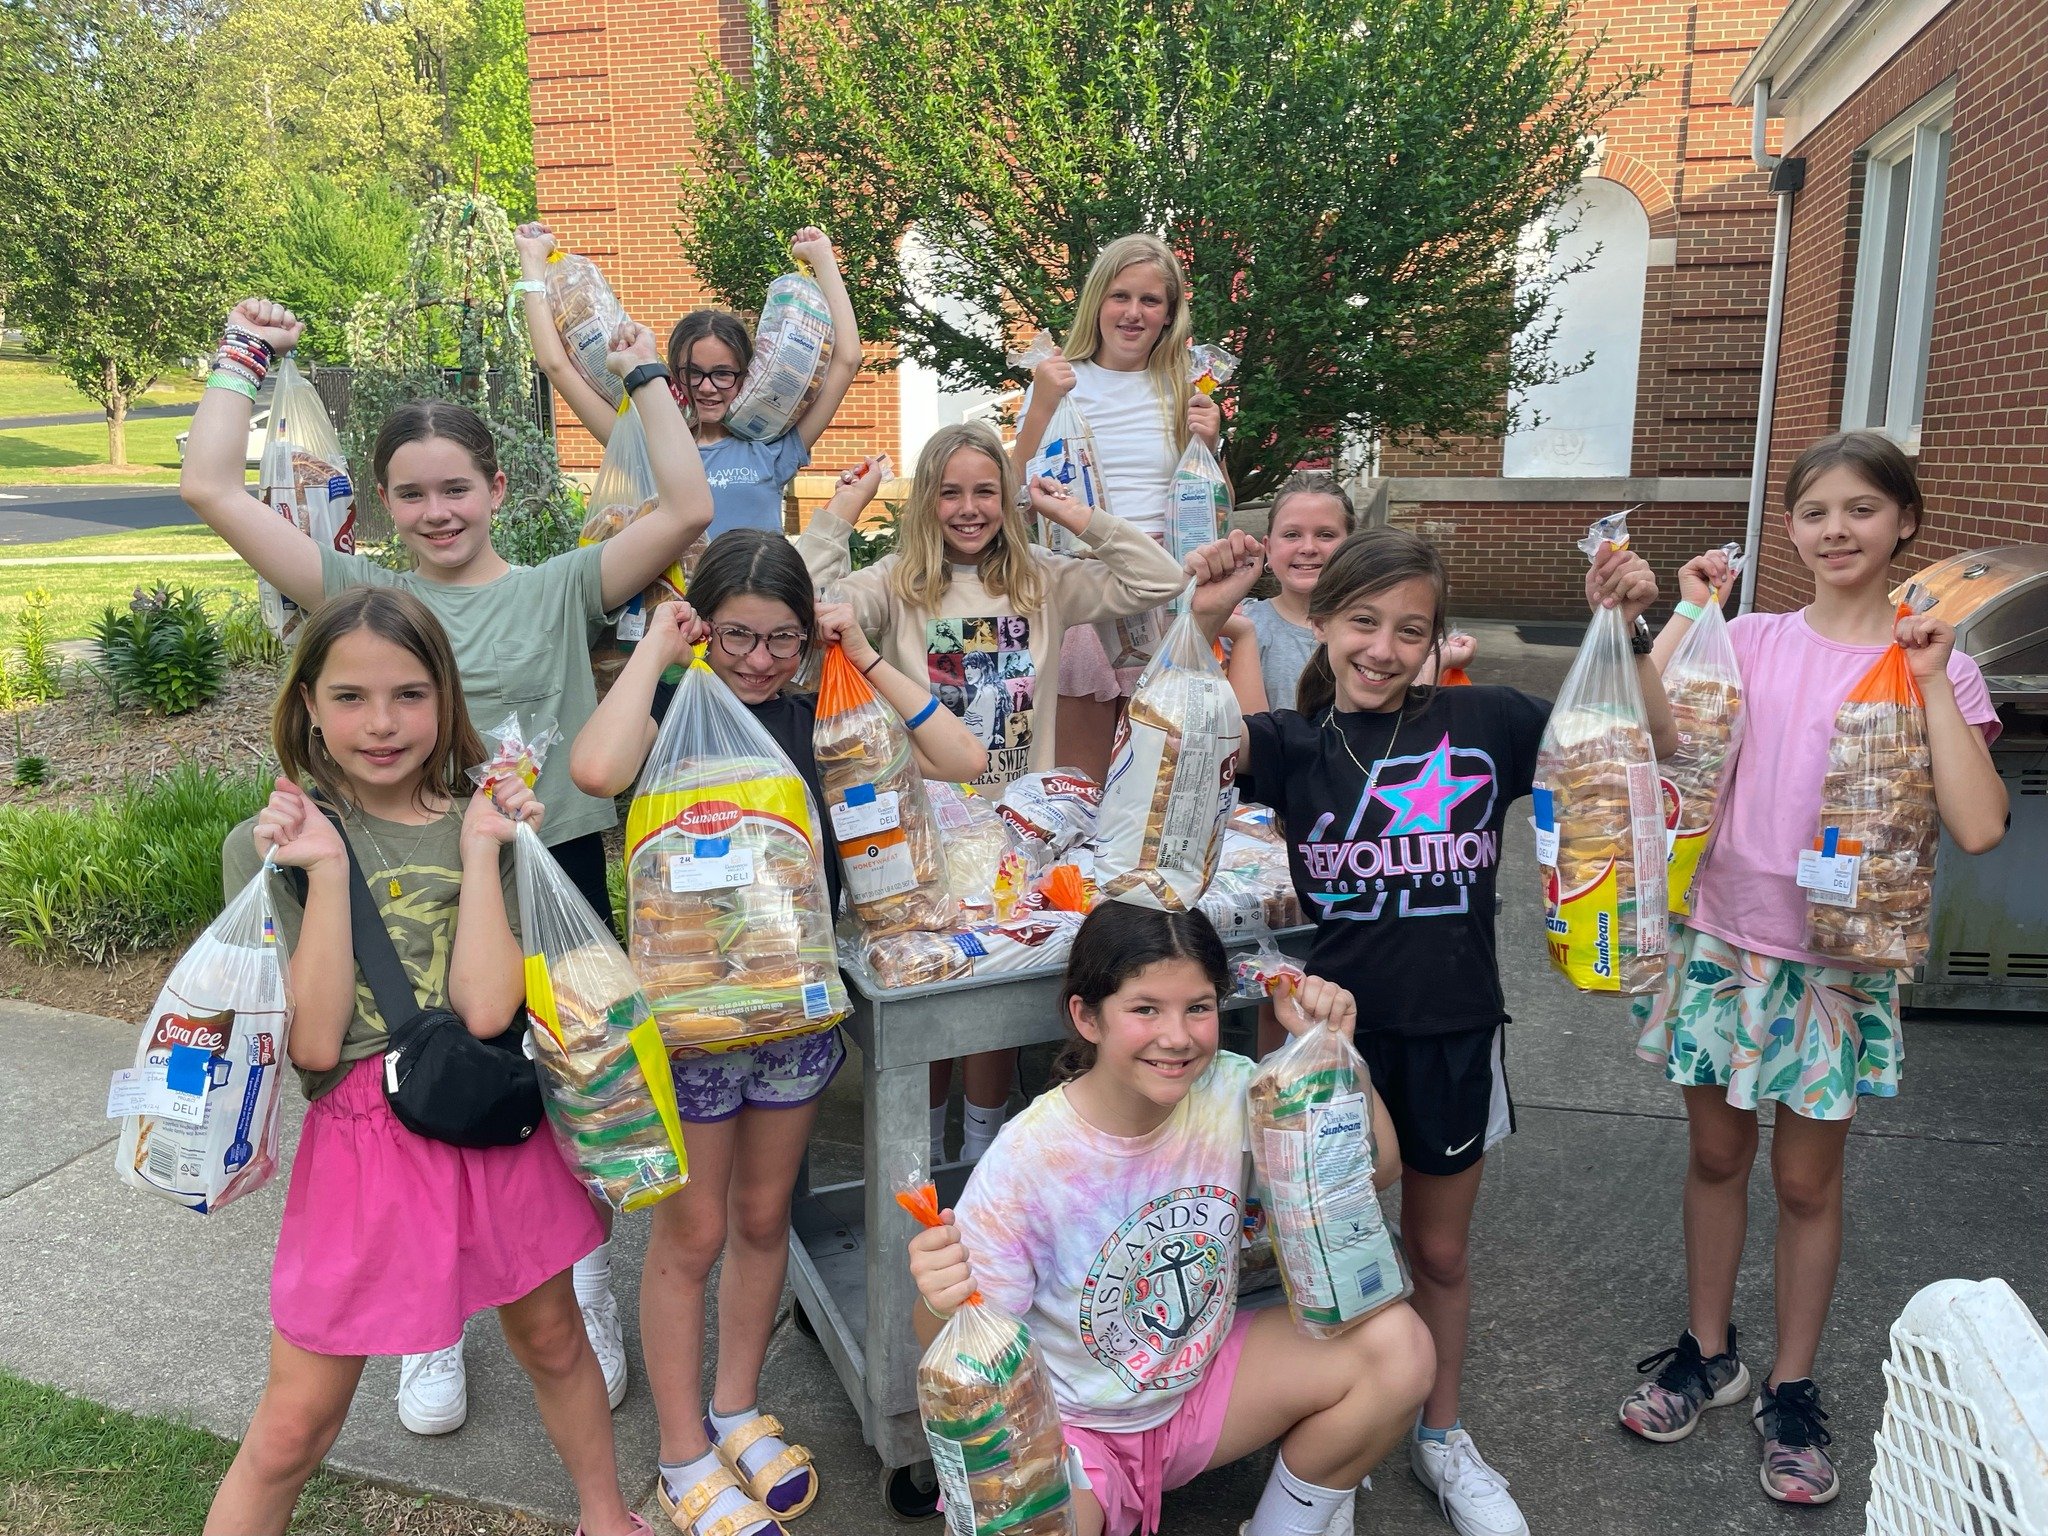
(1989, 939)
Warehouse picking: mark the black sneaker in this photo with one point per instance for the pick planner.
(1667, 1408)
(1796, 1469)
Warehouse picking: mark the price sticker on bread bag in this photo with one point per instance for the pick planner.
(1828, 870)
(712, 864)
(865, 812)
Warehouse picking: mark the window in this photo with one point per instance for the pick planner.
(1891, 318)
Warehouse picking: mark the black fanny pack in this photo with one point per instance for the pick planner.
(439, 1079)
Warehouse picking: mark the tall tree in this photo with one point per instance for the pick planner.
(490, 109)
(121, 230)
(328, 247)
(1353, 185)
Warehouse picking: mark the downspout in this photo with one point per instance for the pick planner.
(1787, 177)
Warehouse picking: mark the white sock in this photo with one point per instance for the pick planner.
(979, 1127)
(938, 1134)
(681, 1479)
(593, 1275)
(1291, 1507)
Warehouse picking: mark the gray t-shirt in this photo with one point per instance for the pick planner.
(1284, 650)
(522, 643)
(747, 479)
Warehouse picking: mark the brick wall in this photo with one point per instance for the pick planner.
(1984, 439)
(611, 126)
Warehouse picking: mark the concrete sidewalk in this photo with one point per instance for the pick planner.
(1577, 1271)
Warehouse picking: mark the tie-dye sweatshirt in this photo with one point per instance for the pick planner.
(1120, 1253)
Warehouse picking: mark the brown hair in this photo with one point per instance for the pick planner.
(1115, 943)
(1368, 562)
(1873, 457)
(407, 623)
(419, 420)
(1313, 482)
(720, 325)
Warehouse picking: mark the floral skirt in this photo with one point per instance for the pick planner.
(1815, 1038)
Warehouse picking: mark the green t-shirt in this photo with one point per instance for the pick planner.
(420, 919)
(522, 643)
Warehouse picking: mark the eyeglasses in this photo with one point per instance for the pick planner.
(738, 641)
(717, 378)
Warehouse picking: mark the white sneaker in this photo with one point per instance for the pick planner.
(1473, 1497)
(433, 1392)
(601, 1322)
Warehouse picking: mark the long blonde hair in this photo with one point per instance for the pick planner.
(1168, 365)
(1006, 567)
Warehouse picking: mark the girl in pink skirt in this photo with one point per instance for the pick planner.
(391, 1240)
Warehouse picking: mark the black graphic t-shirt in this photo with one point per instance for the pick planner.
(1397, 871)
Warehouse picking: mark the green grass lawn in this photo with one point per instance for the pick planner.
(73, 1468)
(29, 387)
(35, 455)
(173, 539)
(79, 592)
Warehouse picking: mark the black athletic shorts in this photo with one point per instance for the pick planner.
(1447, 1094)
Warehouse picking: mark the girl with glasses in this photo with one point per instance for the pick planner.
(747, 1113)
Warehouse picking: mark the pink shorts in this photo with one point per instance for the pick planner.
(1085, 672)
(1131, 1473)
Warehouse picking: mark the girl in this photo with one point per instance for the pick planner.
(390, 1241)
(1126, 365)
(520, 634)
(1128, 1178)
(1747, 1013)
(1370, 772)
(748, 1113)
(708, 354)
(967, 601)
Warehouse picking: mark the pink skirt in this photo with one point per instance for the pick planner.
(1085, 672)
(391, 1242)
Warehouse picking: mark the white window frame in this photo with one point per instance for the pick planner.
(1925, 135)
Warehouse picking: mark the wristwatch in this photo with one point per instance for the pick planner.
(1639, 641)
(646, 373)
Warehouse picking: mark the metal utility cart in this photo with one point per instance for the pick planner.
(1988, 946)
(855, 1295)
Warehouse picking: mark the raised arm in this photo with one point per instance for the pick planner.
(939, 739)
(1620, 579)
(1968, 791)
(1131, 571)
(1698, 580)
(828, 556)
(609, 752)
(291, 830)
(811, 245)
(486, 982)
(649, 545)
(536, 242)
(214, 481)
(1051, 382)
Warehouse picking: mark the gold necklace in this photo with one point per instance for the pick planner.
(391, 866)
(1372, 779)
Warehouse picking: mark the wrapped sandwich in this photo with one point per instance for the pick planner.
(1705, 690)
(792, 351)
(986, 869)
(730, 930)
(304, 479)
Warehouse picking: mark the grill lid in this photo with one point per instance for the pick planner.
(1998, 601)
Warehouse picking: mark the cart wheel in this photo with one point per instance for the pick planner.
(803, 1322)
(912, 1493)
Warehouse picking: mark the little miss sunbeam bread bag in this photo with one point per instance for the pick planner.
(1869, 876)
(731, 929)
(1599, 812)
(1704, 686)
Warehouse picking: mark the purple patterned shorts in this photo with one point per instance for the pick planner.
(782, 1074)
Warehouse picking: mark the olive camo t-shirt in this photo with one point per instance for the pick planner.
(420, 919)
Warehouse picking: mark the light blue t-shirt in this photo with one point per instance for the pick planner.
(1284, 650)
(747, 479)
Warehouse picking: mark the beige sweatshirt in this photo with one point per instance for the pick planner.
(995, 668)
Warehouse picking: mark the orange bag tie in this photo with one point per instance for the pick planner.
(840, 685)
(1891, 679)
(923, 1203)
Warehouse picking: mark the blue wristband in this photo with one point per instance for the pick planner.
(930, 705)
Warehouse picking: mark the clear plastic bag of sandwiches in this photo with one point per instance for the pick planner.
(1210, 366)
(623, 493)
(730, 925)
(986, 868)
(889, 853)
(304, 479)
(989, 1415)
(1172, 778)
(1869, 876)
(199, 1109)
(604, 1074)
(1066, 453)
(1704, 686)
(587, 314)
(792, 350)
(1313, 1146)
(1599, 811)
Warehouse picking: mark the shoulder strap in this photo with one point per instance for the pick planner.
(376, 956)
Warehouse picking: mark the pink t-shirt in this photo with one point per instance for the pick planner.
(1793, 681)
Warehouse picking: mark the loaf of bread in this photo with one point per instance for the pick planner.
(1601, 773)
(587, 315)
(1878, 798)
(994, 1427)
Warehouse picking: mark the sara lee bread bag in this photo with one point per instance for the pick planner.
(731, 929)
(587, 315)
(990, 1417)
(1705, 689)
(199, 1109)
(1869, 876)
(1312, 1142)
(889, 854)
(304, 479)
(1172, 778)
(792, 350)
(1599, 812)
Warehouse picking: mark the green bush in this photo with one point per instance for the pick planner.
(244, 638)
(33, 678)
(135, 870)
(164, 652)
